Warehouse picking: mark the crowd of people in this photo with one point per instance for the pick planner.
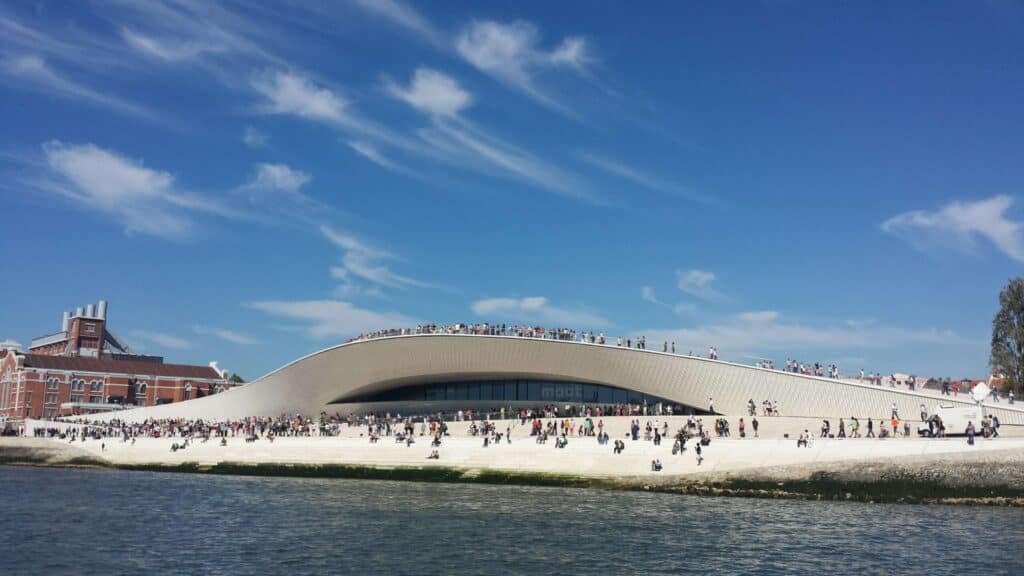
(562, 424)
(526, 331)
(768, 408)
(816, 369)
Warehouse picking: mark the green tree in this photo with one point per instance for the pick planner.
(236, 378)
(1008, 335)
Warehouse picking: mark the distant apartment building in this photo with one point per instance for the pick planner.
(86, 368)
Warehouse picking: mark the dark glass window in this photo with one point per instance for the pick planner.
(499, 391)
(435, 392)
(621, 396)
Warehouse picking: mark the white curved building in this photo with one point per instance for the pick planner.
(432, 372)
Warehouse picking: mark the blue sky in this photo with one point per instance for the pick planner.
(836, 182)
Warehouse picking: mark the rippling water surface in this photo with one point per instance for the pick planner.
(108, 522)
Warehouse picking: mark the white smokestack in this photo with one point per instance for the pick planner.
(102, 310)
(89, 310)
(65, 321)
(78, 312)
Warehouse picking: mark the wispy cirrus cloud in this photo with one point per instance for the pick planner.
(449, 138)
(373, 154)
(231, 336)
(648, 294)
(960, 224)
(149, 201)
(452, 139)
(161, 339)
(698, 283)
(617, 168)
(172, 50)
(275, 193)
(511, 53)
(254, 138)
(291, 93)
(359, 259)
(142, 199)
(537, 309)
(72, 46)
(764, 332)
(405, 16)
(191, 32)
(34, 73)
(322, 319)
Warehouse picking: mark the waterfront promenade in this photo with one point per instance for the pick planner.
(582, 456)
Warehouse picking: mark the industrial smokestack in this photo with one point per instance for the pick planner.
(65, 321)
(89, 310)
(78, 312)
(102, 311)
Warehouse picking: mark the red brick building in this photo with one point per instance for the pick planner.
(86, 368)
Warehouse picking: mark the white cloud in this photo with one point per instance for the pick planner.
(511, 53)
(647, 294)
(274, 194)
(371, 153)
(33, 72)
(538, 309)
(290, 93)
(650, 182)
(759, 317)
(161, 339)
(454, 140)
(698, 283)
(459, 142)
(360, 260)
(279, 177)
(449, 139)
(144, 200)
(184, 31)
(78, 46)
(572, 52)
(170, 49)
(684, 308)
(761, 332)
(405, 16)
(960, 224)
(226, 335)
(254, 138)
(432, 92)
(333, 318)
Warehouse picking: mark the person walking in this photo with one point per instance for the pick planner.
(970, 433)
(754, 424)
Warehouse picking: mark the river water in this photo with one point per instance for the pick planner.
(68, 521)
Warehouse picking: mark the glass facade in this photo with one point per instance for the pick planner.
(498, 391)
